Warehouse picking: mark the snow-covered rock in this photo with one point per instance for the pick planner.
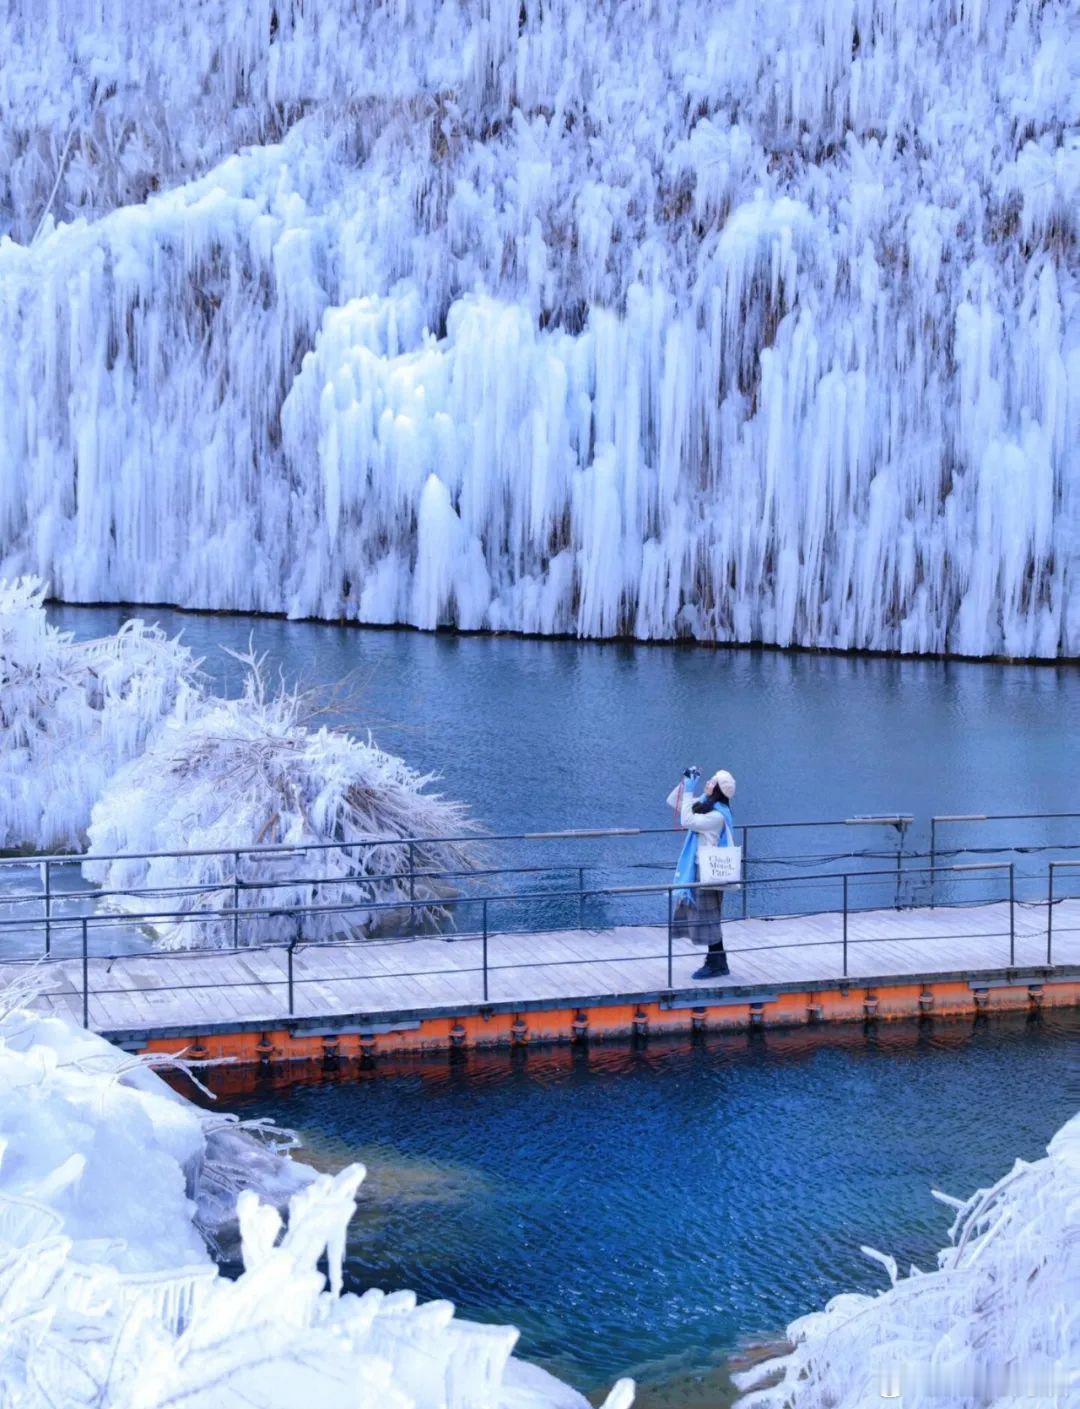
(108, 1297)
(996, 1324)
(737, 321)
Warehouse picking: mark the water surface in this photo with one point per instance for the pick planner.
(539, 734)
(651, 1210)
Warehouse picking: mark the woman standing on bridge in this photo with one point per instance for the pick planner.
(709, 823)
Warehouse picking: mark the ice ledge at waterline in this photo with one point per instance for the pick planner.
(731, 322)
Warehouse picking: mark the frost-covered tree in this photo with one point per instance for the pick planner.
(995, 1323)
(114, 744)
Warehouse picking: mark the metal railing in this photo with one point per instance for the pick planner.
(1050, 900)
(840, 887)
(52, 897)
(978, 818)
(427, 887)
(62, 858)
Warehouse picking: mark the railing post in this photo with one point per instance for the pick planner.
(485, 948)
(236, 901)
(1050, 913)
(581, 896)
(1012, 914)
(899, 862)
(412, 887)
(85, 977)
(746, 873)
(48, 907)
(670, 939)
(845, 921)
(289, 962)
(933, 861)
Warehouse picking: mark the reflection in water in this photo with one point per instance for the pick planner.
(653, 1209)
(543, 734)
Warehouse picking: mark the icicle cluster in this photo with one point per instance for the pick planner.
(255, 771)
(738, 322)
(109, 1299)
(996, 1323)
(71, 713)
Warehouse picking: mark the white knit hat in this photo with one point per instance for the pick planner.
(725, 782)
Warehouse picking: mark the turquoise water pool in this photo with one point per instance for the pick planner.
(654, 1210)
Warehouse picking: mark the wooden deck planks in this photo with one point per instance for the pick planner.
(149, 992)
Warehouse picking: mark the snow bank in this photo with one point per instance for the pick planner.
(108, 1296)
(730, 321)
(72, 713)
(254, 771)
(995, 1324)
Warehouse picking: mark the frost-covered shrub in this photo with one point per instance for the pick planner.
(258, 771)
(72, 712)
(109, 1299)
(995, 1324)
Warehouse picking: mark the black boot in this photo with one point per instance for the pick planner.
(715, 966)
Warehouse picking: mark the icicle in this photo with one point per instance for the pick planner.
(806, 271)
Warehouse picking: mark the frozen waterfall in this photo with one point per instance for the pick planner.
(724, 321)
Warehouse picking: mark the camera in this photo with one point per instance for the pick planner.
(691, 773)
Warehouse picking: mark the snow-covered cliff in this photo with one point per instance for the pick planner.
(736, 321)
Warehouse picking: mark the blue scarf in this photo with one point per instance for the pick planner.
(686, 867)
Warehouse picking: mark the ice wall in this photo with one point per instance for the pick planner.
(724, 321)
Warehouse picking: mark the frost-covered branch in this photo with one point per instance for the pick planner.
(250, 772)
(995, 1323)
(71, 713)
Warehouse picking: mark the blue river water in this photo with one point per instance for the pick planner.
(656, 1210)
(539, 734)
(653, 1211)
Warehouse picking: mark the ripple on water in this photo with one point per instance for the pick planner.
(648, 1211)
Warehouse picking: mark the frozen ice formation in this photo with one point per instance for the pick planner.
(71, 713)
(258, 770)
(995, 1324)
(115, 744)
(109, 1298)
(730, 321)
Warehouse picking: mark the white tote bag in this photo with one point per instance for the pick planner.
(719, 865)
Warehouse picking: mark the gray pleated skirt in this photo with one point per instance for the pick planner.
(700, 923)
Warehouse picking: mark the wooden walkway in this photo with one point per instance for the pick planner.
(375, 981)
